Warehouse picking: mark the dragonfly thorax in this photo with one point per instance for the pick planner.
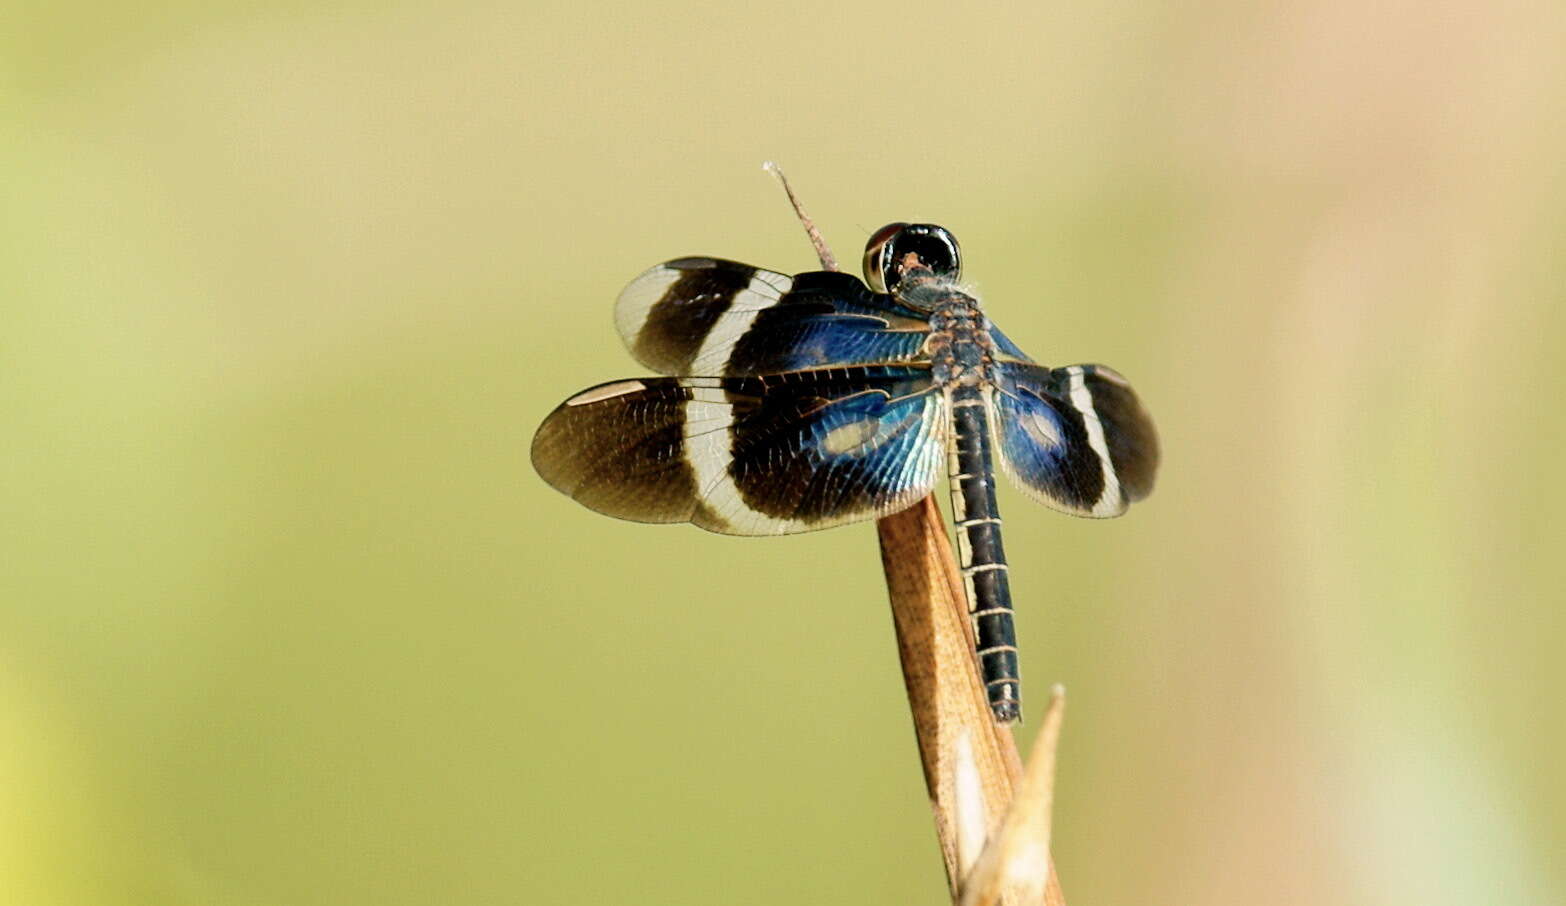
(960, 347)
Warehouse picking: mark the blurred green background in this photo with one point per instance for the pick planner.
(286, 617)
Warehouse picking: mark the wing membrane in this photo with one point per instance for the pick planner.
(756, 455)
(1075, 438)
(710, 316)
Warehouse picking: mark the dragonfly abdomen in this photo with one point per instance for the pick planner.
(983, 557)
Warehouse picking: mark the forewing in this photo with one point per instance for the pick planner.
(1006, 349)
(760, 455)
(1075, 438)
(710, 316)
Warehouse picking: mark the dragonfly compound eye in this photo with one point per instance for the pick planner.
(898, 248)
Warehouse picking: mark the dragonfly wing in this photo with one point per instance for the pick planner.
(756, 455)
(710, 316)
(1075, 438)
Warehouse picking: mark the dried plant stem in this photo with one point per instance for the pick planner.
(971, 767)
(1016, 861)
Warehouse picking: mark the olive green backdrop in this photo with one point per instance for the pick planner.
(286, 617)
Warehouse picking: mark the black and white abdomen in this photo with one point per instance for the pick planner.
(981, 553)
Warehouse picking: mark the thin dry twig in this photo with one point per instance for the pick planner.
(828, 263)
(992, 820)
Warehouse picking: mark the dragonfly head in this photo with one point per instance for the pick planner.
(908, 251)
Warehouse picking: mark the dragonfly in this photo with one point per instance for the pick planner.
(794, 403)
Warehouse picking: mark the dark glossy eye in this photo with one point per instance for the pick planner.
(886, 254)
(877, 258)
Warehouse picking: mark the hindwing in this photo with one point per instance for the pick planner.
(1075, 438)
(753, 455)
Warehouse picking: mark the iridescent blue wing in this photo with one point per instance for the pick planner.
(1075, 438)
(708, 316)
(1003, 344)
(755, 455)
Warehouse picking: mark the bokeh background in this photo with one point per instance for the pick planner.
(286, 617)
